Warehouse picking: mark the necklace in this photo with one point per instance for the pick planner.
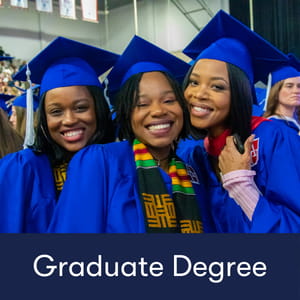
(158, 161)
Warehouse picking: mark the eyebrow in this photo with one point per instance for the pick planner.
(75, 102)
(162, 94)
(212, 78)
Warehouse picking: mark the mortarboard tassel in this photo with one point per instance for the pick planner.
(29, 134)
(105, 94)
(269, 85)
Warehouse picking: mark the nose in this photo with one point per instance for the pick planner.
(297, 89)
(196, 92)
(201, 91)
(69, 118)
(158, 109)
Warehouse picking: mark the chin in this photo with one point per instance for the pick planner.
(74, 148)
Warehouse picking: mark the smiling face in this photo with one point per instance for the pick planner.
(208, 96)
(157, 118)
(71, 118)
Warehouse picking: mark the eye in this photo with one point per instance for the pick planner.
(289, 85)
(218, 87)
(55, 112)
(169, 101)
(193, 82)
(81, 108)
(141, 104)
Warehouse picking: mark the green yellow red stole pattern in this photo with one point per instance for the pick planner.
(163, 212)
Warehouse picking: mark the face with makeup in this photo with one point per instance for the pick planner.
(208, 95)
(71, 118)
(157, 118)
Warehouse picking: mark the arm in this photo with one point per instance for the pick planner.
(277, 177)
(27, 194)
(237, 176)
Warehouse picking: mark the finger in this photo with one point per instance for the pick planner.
(230, 142)
(249, 141)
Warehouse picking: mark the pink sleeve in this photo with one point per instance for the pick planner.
(241, 187)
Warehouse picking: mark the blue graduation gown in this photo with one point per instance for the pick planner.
(27, 192)
(101, 194)
(277, 177)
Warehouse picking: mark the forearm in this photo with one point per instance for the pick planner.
(241, 187)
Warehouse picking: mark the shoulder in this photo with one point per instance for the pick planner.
(115, 148)
(187, 148)
(275, 137)
(271, 128)
(96, 154)
(25, 157)
(118, 147)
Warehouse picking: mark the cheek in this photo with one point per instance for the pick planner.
(52, 125)
(223, 103)
(135, 126)
(282, 94)
(187, 93)
(136, 119)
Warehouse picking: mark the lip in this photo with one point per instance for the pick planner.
(200, 110)
(73, 135)
(159, 128)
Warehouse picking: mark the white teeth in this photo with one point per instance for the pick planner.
(159, 126)
(197, 108)
(73, 133)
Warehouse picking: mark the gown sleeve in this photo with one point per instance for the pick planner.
(27, 194)
(81, 206)
(278, 179)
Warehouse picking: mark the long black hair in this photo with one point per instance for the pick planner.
(104, 133)
(240, 113)
(126, 99)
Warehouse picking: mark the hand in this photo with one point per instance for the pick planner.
(231, 160)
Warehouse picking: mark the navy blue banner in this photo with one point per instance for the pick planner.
(146, 266)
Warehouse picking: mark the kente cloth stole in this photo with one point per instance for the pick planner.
(163, 212)
(59, 173)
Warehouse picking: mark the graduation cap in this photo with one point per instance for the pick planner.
(143, 56)
(6, 58)
(65, 62)
(290, 70)
(227, 39)
(4, 102)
